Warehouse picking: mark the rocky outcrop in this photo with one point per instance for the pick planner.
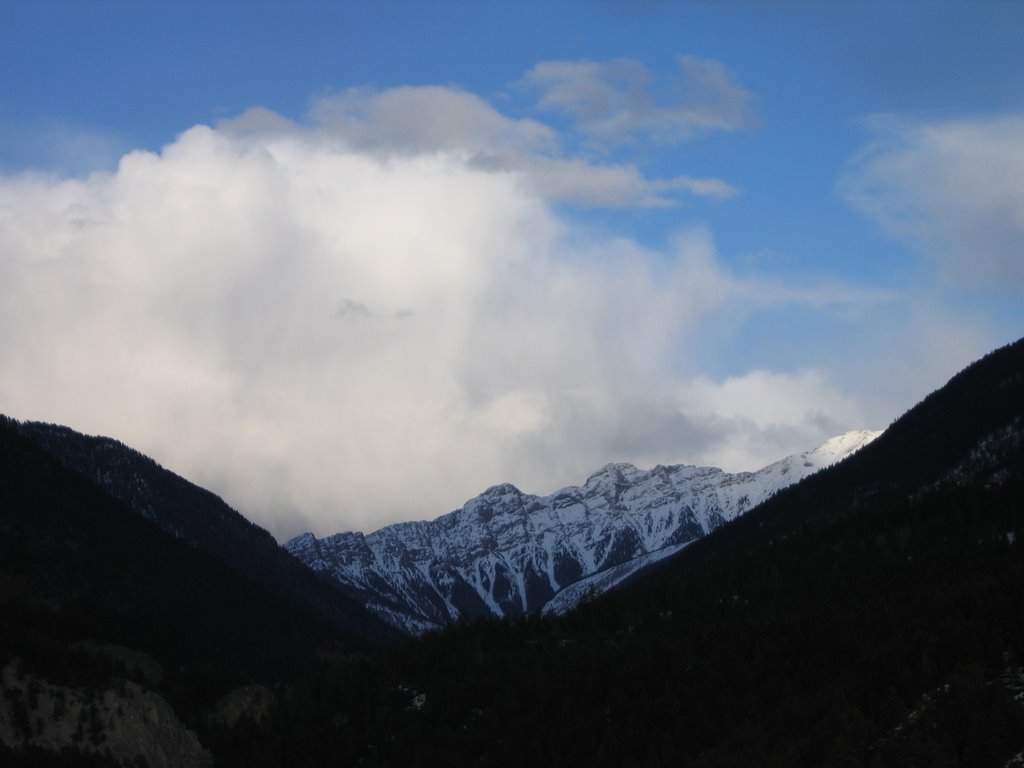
(124, 721)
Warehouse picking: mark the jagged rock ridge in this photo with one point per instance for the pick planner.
(506, 553)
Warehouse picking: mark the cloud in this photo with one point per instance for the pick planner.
(337, 328)
(433, 120)
(410, 121)
(611, 186)
(765, 413)
(615, 101)
(951, 188)
(424, 119)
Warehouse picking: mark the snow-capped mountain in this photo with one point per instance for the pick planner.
(506, 553)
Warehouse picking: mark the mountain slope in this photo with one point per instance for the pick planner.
(506, 553)
(202, 519)
(969, 433)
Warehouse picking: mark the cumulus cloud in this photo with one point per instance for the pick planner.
(338, 328)
(950, 187)
(619, 100)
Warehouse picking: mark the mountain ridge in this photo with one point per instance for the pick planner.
(505, 553)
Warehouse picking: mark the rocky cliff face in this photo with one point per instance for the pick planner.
(506, 553)
(125, 721)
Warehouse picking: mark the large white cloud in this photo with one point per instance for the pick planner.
(951, 187)
(337, 327)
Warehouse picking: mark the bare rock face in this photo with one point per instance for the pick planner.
(124, 721)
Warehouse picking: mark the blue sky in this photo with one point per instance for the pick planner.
(351, 263)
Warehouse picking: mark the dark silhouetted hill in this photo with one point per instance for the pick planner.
(206, 522)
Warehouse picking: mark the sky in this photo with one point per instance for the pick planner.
(348, 264)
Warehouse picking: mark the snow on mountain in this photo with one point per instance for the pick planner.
(598, 583)
(506, 553)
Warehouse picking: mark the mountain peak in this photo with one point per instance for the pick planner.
(839, 447)
(613, 470)
(501, 489)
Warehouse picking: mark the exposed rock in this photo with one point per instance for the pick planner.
(124, 721)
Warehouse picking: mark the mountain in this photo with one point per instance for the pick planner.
(506, 553)
(203, 521)
(871, 615)
(967, 435)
